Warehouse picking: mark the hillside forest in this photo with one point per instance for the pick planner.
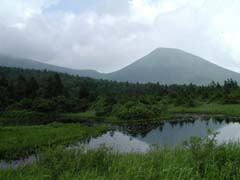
(50, 92)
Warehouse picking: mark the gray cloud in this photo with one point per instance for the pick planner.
(111, 35)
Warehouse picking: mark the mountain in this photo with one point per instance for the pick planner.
(173, 66)
(9, 61)
(163, 65)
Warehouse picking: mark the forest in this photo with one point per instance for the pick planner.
(25, 92)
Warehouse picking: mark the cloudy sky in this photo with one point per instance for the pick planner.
(108, 34)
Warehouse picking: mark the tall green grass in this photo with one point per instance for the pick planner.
(222, 163)
(23, 117)
(200, 158)
(213, 108)
(22, 141)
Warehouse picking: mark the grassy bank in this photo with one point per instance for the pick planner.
(24, 117)
(90, 116)
(213, 108)
(22, 141)
(220, 163)
(34, 118)
(232, 110)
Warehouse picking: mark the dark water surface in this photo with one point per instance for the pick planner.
(140, 137)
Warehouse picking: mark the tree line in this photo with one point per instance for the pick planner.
(45, 91)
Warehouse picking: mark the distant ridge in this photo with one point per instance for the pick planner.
(163, 65)
(9, 61)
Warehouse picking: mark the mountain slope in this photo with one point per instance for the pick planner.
(9, 61)
(163, 65)
(173, 66)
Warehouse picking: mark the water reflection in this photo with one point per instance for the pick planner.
(140, 137)
(174, 134)
(119, 141)
(17, 163)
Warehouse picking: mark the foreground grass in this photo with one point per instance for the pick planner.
(213, 108)
(220, 163)
(21, 141)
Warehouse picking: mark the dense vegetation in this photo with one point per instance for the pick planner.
(21, 141)
(32, 93)
(200, 159)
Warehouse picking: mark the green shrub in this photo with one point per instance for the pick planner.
(232, 98)
(103, 106)
(201, 150)
(136, 111)
(43, 105)
(64, 104)
(25, 103)
(24, 117)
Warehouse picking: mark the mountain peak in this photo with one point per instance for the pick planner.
(173, 66)
(163, 49)
(163, 65)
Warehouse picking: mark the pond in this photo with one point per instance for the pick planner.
(140, 137)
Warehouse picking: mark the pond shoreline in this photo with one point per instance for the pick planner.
(14, 164)
(207, 115)
(139, 129)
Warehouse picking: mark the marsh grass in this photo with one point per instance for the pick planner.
(213, 108)
(23, 117)
(33, 118)
(21, 141)
(90, 116)
(222, 163)
(209, 162)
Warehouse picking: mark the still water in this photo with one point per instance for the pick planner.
(141, 137)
